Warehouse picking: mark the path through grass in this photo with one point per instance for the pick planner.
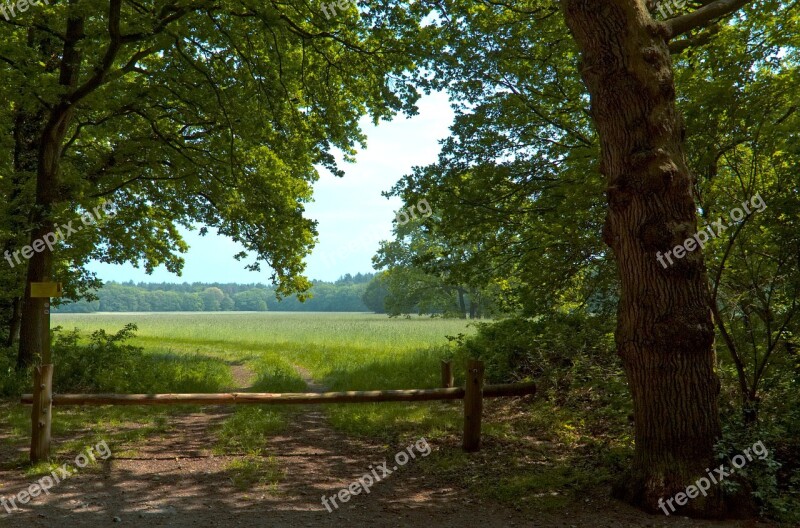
(342, 351)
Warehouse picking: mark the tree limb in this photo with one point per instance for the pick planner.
(703, 16)
(677, 47)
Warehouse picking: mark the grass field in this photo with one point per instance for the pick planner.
(353, 351)
(379, 332)
(194, 352)
(198, 352)
(343, 351)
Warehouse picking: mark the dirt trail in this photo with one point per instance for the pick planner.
(176, 481)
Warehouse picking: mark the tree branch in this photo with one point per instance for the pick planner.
(676, 47)
(703, 16)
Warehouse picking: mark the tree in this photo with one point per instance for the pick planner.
(212, 299)
(665, 334)
(251, 301)
(517, 179)
(430, 273)
(210, 112)
(375, 295)
(748, 155)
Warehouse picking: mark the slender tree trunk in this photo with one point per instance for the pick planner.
(33, 326)
(665, 334)
(461, 303)
(34, 323)
(14, 322)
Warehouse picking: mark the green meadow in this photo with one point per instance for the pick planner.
(200, 352)
(194, 352)
(342, 351)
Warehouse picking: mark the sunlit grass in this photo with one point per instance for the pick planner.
(226, 332)
(254, 470)
(248, 429)
(341, 351)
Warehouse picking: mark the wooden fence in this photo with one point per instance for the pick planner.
(472, 393)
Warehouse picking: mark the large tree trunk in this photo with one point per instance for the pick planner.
(665, 334)
(34, 322)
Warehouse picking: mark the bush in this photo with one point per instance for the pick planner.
(571, 358)
(12, 382)
(105, 364)
(108, 364)
(773, 480)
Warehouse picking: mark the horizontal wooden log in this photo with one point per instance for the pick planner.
(238, 398)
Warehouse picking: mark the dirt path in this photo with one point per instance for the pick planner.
(176, 481)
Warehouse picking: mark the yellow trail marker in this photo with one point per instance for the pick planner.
(46, 289)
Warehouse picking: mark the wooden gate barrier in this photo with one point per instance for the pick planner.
(472, 393)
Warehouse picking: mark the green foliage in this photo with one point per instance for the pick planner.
(750, 150)
(569, 356)
(374, 296)
(201, 117)
(516, 192)
(517, 348)
(774, 479)
(13, 382)
(251, 301)
(107, 363)
(420, 276)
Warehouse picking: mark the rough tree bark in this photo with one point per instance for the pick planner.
(33, 327)
(664, 335)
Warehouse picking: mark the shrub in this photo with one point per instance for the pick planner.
(571, 358)
(12, 382)
(108, 364)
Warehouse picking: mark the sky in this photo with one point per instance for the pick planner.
(352, 215)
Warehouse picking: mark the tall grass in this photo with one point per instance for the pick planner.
(341, 351)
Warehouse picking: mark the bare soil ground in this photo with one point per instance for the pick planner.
(176, 481)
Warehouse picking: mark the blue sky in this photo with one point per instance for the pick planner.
(353, 216)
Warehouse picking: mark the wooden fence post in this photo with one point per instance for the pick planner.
(473, 405)
(447, 374)
(41, 414)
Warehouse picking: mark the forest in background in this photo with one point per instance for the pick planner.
(343, 295)
(401, 292)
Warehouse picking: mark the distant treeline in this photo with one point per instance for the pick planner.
(344, 295)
